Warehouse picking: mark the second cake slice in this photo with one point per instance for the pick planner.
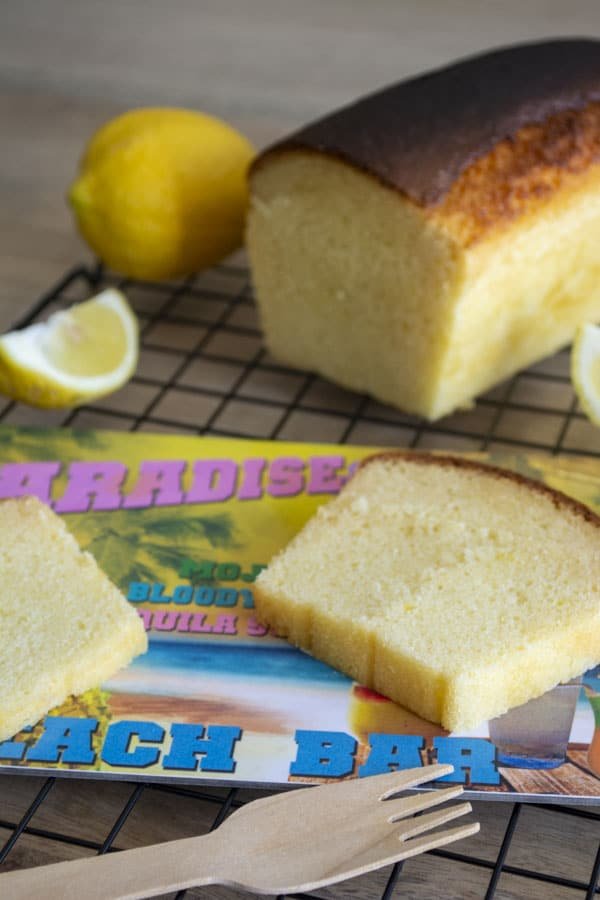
(456, 589)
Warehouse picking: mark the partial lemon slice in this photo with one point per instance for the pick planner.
(585, 370)
(78, 354)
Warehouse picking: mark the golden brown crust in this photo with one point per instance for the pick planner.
(521, 173)
(476, 144)
(558, 499)
(418, 136)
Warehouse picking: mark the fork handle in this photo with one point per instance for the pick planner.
(127, 875)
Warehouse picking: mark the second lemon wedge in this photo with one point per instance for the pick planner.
(585, 370)
(78, 354)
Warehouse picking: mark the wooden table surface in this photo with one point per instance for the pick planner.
(266, 66)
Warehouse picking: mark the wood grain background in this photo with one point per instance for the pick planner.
(264, 65)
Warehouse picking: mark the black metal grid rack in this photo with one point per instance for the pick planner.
(203, 370)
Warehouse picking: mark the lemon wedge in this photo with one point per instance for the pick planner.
(78, 354)
(585, 370)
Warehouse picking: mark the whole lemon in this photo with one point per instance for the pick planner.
(162, 192)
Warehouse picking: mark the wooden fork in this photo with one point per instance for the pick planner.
(286, 843)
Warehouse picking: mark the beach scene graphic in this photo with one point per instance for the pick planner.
(183, 525)
(591, 684)
(271, 689)
(536, 735)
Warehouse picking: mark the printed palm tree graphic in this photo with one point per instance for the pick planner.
(135, 545)
(41, 444)
(130, 545)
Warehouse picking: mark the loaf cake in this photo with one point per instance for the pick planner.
(431, 239)
(456, 589)
(64, 627)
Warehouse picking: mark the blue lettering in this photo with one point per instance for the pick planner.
(157, 596)
(473, 756)
(216, 748)
(138, 591)
(205, 596)
(65, 739)
(183, 594)
(390, 752)
(248, 598)
(13, 749)
(327, 754)
(226, 597)
(117, 744)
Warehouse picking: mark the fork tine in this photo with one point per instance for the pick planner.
(432, 820)
(418, 803)
(437, 839)
(393, 848)
(394, 782)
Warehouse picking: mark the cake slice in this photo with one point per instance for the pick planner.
(64, 627)
(433, 238)
(456, 589)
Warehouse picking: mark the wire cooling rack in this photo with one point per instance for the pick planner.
(203, 370)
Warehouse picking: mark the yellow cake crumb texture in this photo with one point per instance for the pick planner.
(64, 627)
(455, 589)
(357, 282)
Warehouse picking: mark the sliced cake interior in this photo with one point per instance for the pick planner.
(426, 307)
(457, 590)
(351, 280)
(64, 627)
